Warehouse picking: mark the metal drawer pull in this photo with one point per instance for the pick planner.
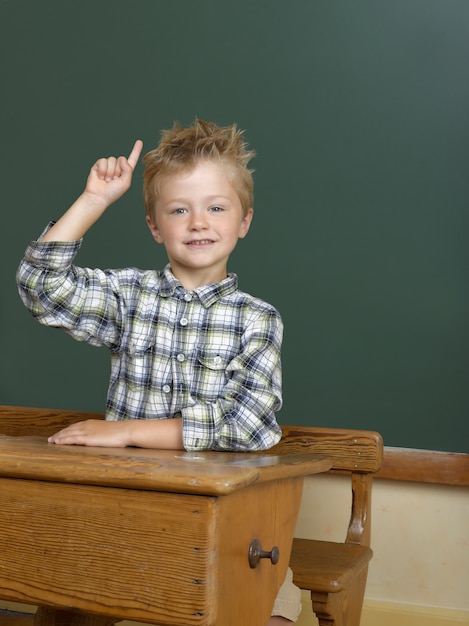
(256, 553)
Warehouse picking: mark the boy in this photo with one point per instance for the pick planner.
(195, 362)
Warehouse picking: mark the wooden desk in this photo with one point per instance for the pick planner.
(157, 536)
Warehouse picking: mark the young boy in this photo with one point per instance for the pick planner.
(195, 362)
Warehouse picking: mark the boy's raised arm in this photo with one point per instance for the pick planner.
(108, 180)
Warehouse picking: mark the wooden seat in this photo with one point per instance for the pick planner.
(336, 573)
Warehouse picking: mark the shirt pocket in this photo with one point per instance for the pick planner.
(212, 361)
(211, 369)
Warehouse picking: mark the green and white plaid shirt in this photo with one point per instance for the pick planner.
(211, 355)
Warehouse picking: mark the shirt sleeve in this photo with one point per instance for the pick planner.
(81, 301)
(243, 417)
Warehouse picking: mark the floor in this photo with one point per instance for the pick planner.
(9, 618)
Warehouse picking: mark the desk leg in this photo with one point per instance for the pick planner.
(48, 616)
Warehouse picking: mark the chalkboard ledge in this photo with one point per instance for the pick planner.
(425, 466)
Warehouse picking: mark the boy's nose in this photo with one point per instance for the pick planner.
(198, 222)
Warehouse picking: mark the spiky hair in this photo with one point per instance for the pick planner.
(181, 148)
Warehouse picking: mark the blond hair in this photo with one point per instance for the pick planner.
(181, 148)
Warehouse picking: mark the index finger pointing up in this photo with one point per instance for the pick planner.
(135, 154)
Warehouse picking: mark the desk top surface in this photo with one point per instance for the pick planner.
(205, 473)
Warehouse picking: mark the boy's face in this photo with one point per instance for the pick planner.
(199, 218)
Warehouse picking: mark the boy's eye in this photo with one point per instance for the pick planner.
(216, 209)
(179, 211)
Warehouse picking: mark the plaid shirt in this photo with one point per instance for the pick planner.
(210, 356)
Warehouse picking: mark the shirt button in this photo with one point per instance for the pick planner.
(217, 360)
(166, 388)
(183, 321)
(180, 357)
(187, 297)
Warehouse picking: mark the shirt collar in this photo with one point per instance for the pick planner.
(207, 294)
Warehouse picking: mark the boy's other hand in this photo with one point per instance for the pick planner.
(111, 177)
(93, 433)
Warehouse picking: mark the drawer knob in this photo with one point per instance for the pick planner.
(256, 553)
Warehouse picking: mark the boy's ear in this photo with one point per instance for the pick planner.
(154, 230)
(246, 223)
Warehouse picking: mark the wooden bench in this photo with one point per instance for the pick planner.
(334, 573)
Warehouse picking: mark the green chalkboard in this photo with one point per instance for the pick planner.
(359, 113)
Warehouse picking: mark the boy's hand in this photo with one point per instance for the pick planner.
(111, 177)
(93, 433)
(108, 180)
(158, 434)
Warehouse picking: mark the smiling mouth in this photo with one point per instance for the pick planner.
(199, 242)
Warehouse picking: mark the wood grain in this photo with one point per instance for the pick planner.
(350, 450)
(425, 466)
(210, 473)
(109, 551)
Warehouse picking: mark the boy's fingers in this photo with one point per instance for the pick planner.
(135, 154)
